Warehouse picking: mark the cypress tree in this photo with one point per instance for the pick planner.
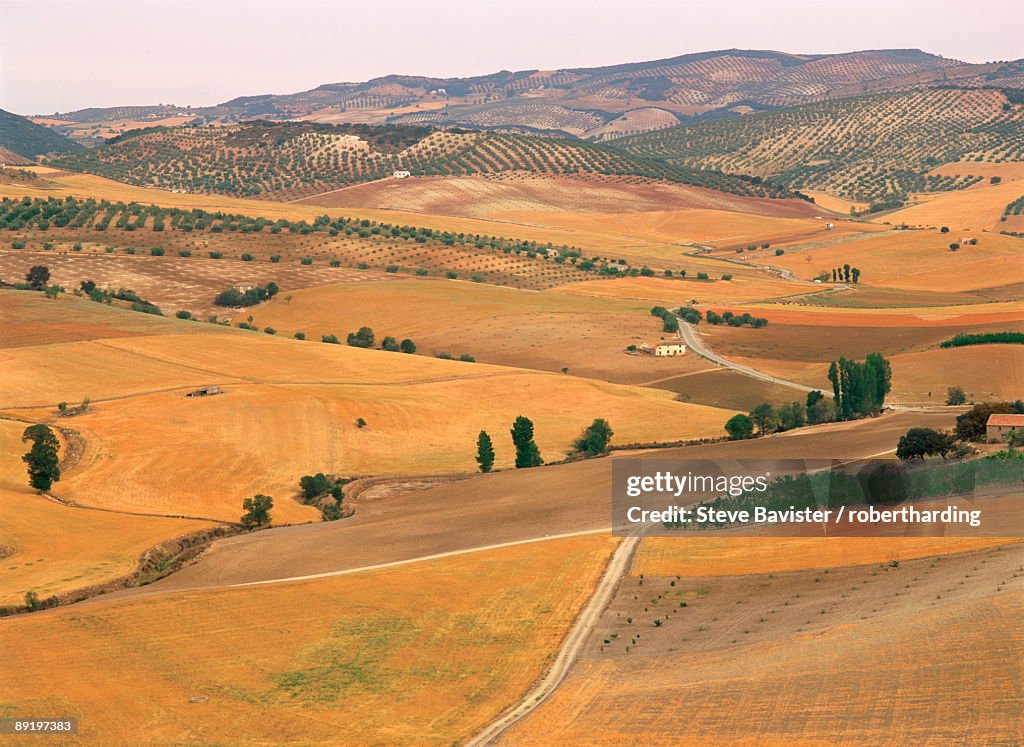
(484, 452)
(527, 452)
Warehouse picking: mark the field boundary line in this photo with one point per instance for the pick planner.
(420, 559)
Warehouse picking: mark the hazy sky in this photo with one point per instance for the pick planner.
(60, 55)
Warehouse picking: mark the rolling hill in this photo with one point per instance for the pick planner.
(864, 148)
(598, 102)
(290, 160)
(23, 137)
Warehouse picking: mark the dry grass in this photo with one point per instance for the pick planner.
(547, 331)
(975, 209)
(914, 260)
(745, 661)
(291, 408)
(723, 556)
(49, 548)
(424, 654)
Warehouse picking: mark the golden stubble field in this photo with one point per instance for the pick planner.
(49, 548)
(291, 408)
(914, 260)
(587, 334)
(427, 653)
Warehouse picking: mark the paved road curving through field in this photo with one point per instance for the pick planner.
(689, 336)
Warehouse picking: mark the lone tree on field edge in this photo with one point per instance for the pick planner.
(38, 277)
(527, 453)
(484, 452)
(43, 463)
(257, 510)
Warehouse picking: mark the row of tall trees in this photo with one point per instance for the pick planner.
(859, 389)
(593, 441)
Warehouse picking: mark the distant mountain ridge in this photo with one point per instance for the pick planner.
(602, 103)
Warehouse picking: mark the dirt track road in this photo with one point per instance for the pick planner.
(566, 657)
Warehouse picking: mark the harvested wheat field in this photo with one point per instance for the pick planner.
(923, 377)
(895, 640)
(722, 229)
(291, 408)
(49, 548)
(509, 195)
(426, 653)
(977, 208)
(913, 260)
(549, 331)
(676, 292)
(266, 437)
(508, 506)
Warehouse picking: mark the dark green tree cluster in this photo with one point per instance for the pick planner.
(735, 320)
(922, 442)
(235, 298)
(527, 452)
(669, 321)
(42, 459)
(983, 338)
(845, 274)
(971, 425)
(595, 438)
(362, 338)
(859, 389)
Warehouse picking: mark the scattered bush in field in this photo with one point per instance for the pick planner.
(330, 339)
(247, 257)
(183, 314)
(157, 251)
(955, 395)
(37, 277)
(299, 335)
(407, 346)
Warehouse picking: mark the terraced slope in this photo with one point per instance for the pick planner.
(864, 148)
(289, 160)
